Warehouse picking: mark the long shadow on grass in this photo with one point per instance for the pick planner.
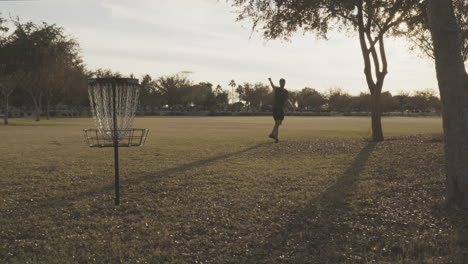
(185, 167)
(307, 237)
(71, 197)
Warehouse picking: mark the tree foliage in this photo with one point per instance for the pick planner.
(105, 73)
(41, 56)
(310, 99)
(255, 95)
(417, 30)
(149, 93)
(176, 89)
(338, 100)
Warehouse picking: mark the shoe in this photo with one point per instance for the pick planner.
(271, 136)
(277, 140)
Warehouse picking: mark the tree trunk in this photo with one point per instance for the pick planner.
(5, 117)
(453, 86)
(379, 67)
(37, 108)
(47, 107)
(376, 114)
(37, 111)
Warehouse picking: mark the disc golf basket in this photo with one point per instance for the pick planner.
(113, 104)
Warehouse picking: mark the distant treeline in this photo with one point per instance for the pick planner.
(43, 74)
(176, 93)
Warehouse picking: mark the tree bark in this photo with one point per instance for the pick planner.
(5, 117)
(453, 86)
(37, 108)
(376, 114)
(47, 107)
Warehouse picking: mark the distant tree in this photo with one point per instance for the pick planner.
(222, 98)
(3, 26)
(218, 89)
(293, 97)
(24, 58)
(236, 107)
(241, 90)
(210, 101)
(403, 101)
(372, 20)
(423, 101)
(263, 94)
(28, 81)
(175, 89)
(434, 103)
(453, 87)
(310, 99)
(61, 60)
(338, 100)
(418, 102)
(149, 93)
(245, 92)
(361, 103)
(147, 86)
(233, 85)
(75, 90)
(7, 84)
(105, 73)
(389, 103)
(204, 97)
(41, 53)
(256, 95)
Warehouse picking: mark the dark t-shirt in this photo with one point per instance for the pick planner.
(281, 96)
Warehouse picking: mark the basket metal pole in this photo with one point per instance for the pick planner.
(116, 145)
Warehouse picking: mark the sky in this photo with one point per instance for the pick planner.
(163, 37)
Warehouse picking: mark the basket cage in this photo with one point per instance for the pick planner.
(113, 103)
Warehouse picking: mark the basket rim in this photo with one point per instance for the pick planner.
(100, 141)
(122, 129)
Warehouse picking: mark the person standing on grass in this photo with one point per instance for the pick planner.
(280, 100)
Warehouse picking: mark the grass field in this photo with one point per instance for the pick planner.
(216, 190)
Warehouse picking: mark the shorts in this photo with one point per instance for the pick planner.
(278, 114)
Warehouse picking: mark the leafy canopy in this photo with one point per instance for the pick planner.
(282, 18)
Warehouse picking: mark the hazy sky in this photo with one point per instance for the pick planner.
(162, 37)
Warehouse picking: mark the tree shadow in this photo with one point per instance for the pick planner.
(181, 168)
(63, 200)
(341, 189)
(312, 225)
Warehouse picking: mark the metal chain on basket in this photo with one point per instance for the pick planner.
(101, 100)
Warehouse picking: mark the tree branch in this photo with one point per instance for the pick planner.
(364, 49)
(375, 56)
(383, 56)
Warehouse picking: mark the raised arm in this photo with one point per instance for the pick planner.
(272, 85)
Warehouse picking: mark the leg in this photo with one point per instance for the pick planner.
(272, 134)
(275, 117)
(276, 133)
